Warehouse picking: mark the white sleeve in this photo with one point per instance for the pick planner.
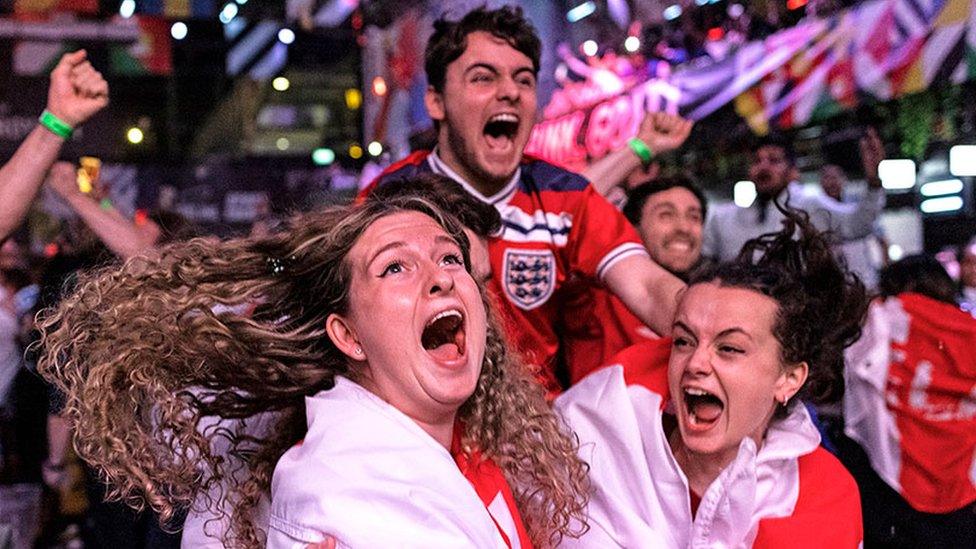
(850, 220)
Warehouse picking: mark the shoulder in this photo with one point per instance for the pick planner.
(827, 511)
(646, 364)
(722, 211)
(549, 177)
(823, 479)
(408, 167)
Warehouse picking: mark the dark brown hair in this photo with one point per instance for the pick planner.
(482, 218)
(450, 39)
(821, 305)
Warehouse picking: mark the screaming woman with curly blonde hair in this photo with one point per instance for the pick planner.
(372, 356)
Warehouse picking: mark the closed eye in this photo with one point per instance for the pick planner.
(731, 350)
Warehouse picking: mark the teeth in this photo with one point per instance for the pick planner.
(504, 117)
(445, 314)
(696, 392)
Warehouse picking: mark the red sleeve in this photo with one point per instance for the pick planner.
(413, 159)
(600, 236)
(827, 512)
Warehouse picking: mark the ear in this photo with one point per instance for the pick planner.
(344, 337)
(792, 381)
(794, 173)
(434, 101)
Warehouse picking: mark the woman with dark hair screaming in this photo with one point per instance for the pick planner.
(704, 441)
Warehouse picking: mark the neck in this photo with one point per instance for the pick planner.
(701, 469)
(439, 425)
(441, 430)
(484, 186)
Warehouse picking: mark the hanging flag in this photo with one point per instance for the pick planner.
(150, 54)
(46, 7)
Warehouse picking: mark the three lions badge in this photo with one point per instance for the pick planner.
(529, 276)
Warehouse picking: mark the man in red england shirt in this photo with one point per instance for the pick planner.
(669, 214)
(482, 73)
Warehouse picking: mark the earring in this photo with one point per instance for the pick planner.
(359, 350)
(786, 400)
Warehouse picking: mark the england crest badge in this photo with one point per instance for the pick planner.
(529, 276)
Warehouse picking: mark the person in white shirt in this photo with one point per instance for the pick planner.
(773, 171)
(864, 256)
(400, 418)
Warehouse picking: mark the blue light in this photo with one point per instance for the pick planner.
(581, 11)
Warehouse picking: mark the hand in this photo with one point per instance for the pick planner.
(63, 180)
(77, 90)
(664, 132)
(872, 153)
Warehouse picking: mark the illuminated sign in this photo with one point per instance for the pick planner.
(586, 120)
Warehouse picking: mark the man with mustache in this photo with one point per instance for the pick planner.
(773, 171)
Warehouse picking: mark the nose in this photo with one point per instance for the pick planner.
(441, 281)
(699, 363)
(507, 89)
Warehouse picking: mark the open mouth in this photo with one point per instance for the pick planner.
(703, 407)
(443, 336)
(679, 245)
(500, 130)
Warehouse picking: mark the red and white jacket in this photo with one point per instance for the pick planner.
(911, 400)
(369, 476)
(787, 493)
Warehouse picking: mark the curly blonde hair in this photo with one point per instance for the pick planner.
(145, 351)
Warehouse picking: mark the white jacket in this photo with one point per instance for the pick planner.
(640, 496)
(369, 476)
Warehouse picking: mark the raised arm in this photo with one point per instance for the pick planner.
(856, 220)
(77, 91)
(660, 132)
(124, 237)
(647, 289)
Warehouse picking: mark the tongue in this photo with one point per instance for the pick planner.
(498, 142)
(445, 353)
(707, 412)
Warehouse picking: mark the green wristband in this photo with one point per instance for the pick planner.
(57, 126)
(642, 151)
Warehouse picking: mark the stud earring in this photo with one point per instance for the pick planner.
(359, 350)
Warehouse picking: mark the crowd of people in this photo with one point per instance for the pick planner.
(487, 350)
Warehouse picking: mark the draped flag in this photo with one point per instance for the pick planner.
(911, 400)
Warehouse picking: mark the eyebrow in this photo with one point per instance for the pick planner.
(481, 65)
(493, 69)
(441, 238)
(725, 332)
(390, 246)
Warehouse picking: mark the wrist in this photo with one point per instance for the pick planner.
(874, 181)
(641, 151)
(56, 124)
